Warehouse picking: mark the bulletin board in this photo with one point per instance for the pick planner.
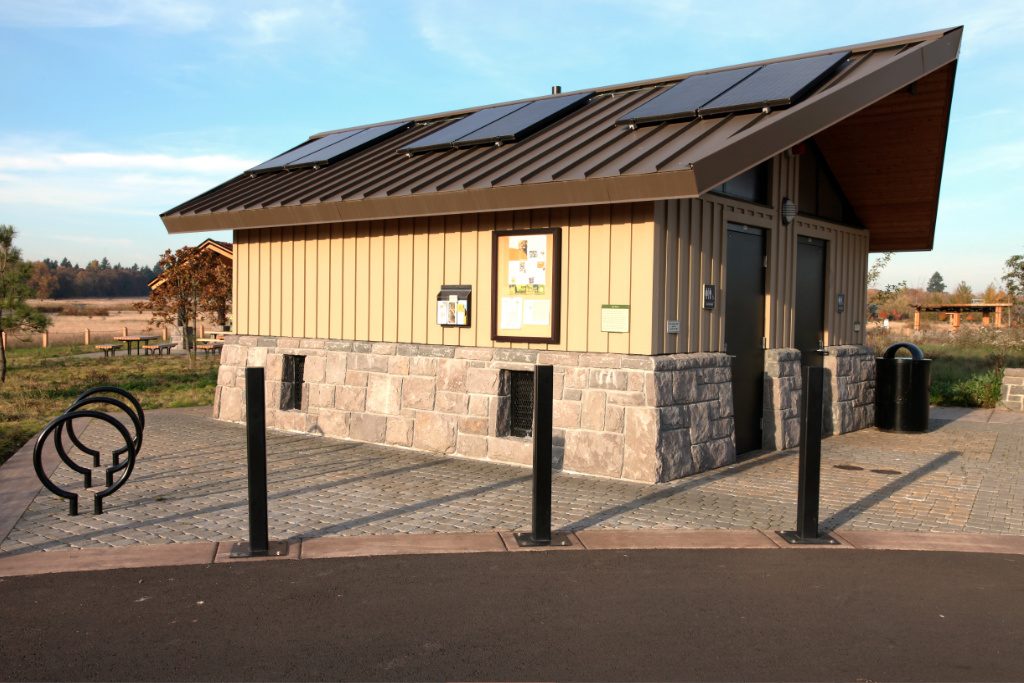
(526, 285)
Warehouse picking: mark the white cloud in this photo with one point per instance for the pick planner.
(238, 23)
(111, 182)
(55, 161)
(272, 26)
(180, 15)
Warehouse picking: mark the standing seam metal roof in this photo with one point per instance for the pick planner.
(584, 146)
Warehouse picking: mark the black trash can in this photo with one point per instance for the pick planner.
(901, 390)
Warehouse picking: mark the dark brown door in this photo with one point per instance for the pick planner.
(809, 330)
(744, 331)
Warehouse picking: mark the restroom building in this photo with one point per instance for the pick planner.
(676, 248)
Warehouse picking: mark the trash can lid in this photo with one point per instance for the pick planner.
(915, 352)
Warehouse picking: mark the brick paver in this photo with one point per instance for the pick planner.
(190, 485)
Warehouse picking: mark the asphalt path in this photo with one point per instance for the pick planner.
(595, 615)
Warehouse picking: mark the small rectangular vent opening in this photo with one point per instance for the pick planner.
(291, 379)
(521, 403)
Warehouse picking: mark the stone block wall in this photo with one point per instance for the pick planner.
(849, 389)
(641, 418)
(1012, 391)
(782, 385)
(848, 396)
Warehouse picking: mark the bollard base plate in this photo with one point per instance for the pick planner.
(274, 549)
(793, 538)
(524, 539)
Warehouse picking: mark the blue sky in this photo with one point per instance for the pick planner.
(116, 110)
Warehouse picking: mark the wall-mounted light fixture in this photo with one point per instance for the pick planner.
(788, 211)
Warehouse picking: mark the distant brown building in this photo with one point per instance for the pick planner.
(675, 247)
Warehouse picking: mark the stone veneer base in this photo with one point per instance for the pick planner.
(848, 398)
(642, 418)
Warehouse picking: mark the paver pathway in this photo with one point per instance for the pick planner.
(190, 485)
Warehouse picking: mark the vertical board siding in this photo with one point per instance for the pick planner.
(846, 273)
(379, 280)
(691, 245)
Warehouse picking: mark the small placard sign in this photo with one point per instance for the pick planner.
(840, 303)
(709, 297)
(672, 327)
(614, 318)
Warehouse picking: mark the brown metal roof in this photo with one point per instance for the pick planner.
(585, 158)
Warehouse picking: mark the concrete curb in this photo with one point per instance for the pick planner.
(177, 554)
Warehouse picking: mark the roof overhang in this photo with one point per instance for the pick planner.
(609, 190)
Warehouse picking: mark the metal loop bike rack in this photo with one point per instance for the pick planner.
(64, 424)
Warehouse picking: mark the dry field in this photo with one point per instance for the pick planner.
(104, 318)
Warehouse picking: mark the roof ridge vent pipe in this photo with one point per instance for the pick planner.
(556, 90)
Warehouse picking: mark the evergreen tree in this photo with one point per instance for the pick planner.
(15, 313)
(935, 284)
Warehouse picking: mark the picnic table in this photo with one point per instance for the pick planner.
(137, 340)
(209, 345)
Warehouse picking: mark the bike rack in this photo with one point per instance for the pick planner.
(64, 424)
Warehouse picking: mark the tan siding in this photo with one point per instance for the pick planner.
(254, 287)
(336, 274)
(311, 282)
(420, 247)
(577, 241)
(348, 283)
(389, 306)
(482, 301)
(236, 292)
(405, 290)
(435, 274)
(274, 277)
(619, 271)
(452, 270)
(241, 277)
(323, 282)
(299, 282)
(362, 289)
(379, 280)
(597, 277)
(467, 260)
(287, 282)
(376, 275)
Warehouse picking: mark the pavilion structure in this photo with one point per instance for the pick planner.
(991, 313)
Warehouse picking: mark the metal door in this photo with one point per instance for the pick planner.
(809, 321)
(744, 331)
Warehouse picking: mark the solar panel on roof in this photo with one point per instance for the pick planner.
(684, 99)
(777, 84)
(330, 148)
(300, 151)
(506, 123)
(446, 137)
(520, 123)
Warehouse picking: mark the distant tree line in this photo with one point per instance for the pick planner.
(64, 280)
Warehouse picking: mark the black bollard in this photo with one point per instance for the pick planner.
(259, 544)
(543, 386)
(809, 484)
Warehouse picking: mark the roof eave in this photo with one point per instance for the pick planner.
(605, 190)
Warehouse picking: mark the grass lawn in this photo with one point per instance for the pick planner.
(968, 375)
(42, 383)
